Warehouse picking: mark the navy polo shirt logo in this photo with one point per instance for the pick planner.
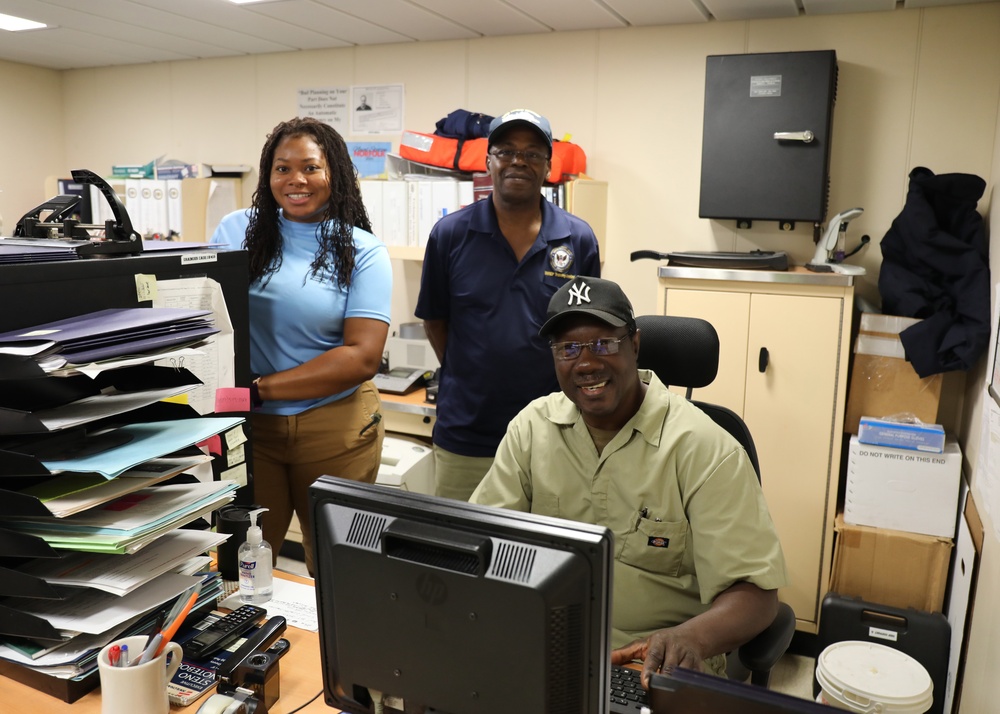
(561, 258)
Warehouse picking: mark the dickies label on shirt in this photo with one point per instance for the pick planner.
(658, 542)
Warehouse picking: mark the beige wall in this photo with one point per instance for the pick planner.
(917, 87)
(632, 98)
(32, 117)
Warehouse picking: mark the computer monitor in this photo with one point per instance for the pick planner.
(458, 608)
(684, 691)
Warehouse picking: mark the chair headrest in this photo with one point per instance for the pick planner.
(681, 351)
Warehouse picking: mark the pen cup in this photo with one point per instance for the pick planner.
(140, 687)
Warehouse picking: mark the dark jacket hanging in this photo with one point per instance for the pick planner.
(935, 266)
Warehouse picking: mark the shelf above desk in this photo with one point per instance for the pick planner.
(408, 413)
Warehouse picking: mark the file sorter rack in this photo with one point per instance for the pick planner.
(36, 293)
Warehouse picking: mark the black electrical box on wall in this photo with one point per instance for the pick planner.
(766, 140)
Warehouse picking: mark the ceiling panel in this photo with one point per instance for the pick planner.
(165, 22)
(322, 18)
(249, 22)
(569, 15)
(640, 13)
(405, 18)
(96, 33)
(65, 47)
(832, 7)
(725, 10)
(908, 4)
(487, 17)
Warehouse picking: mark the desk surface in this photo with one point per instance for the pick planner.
(413, 403)
(300, 681)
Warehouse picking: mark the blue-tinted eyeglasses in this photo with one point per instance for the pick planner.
(602, 347)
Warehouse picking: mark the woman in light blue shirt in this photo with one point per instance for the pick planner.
(320, 290)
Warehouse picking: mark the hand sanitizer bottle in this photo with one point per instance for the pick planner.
(255, 558)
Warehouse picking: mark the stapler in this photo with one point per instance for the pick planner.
(249, 681)
(827, 258)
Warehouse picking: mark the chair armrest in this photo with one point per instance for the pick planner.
(762, 652)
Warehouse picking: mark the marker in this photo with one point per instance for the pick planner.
(114, 654)
(171, 629)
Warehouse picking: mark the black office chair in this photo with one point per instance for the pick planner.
(684, 352)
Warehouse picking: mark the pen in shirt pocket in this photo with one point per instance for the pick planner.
(644, 514)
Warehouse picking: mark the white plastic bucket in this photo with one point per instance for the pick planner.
(872, 679)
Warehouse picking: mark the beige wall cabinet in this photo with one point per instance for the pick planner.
(784, 351)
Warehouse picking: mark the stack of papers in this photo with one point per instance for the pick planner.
(75, 655)
(122, 574)
(67, 494)
(129, 523)
(114, 332)
(13, 251)
(142, 442)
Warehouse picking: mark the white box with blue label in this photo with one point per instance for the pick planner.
(902, 489)
(902, 435)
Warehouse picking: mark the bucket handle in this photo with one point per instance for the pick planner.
(862, 702)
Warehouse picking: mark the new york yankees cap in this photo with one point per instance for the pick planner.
(524, 117)
(602, 299)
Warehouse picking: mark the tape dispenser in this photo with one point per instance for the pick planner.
(249, 680)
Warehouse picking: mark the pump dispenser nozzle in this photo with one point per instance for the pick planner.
(255, 563)
(254, 534)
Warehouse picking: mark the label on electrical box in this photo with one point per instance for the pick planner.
(765, 85)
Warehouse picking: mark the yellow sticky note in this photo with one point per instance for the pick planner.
(145, 287)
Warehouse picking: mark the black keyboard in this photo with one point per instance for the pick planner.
(750, 260)
(627, 694)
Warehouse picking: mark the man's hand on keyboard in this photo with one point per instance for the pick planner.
(668, 646)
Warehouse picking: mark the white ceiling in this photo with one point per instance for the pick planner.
(97, 33)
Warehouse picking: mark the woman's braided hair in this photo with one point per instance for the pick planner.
(336, 251)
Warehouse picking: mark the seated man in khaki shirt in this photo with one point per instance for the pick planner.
(697, 560)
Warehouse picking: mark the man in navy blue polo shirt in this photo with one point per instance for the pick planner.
(489, 271)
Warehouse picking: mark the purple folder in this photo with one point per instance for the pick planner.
(102, 322)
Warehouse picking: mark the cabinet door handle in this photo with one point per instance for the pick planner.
(805, 137)
(762, 360)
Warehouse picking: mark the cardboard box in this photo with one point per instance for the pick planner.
(883, 383)
(890, 567)
(903, 490)
(902, 435)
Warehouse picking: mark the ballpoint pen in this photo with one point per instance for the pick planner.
(123, 661)
(151, 648)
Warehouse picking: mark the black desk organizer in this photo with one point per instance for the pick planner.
(924, 636)
(53, 291)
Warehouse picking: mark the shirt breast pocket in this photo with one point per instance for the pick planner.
(553, 283)
(656, 546)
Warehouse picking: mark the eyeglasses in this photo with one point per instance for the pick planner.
(531, 157)
(601, 347)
